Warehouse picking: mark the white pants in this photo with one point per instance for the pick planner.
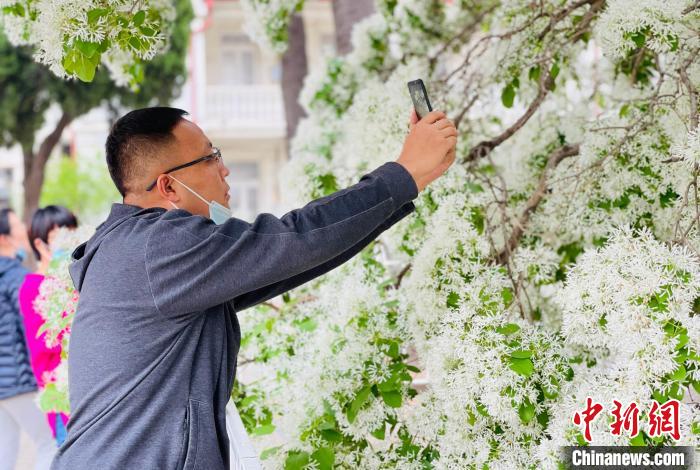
(243, 455)
(21, 413)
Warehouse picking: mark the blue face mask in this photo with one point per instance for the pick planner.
(217, 212)
(21, 254)
(59, 253)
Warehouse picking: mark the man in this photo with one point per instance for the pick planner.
(18, 409)
(155, 337)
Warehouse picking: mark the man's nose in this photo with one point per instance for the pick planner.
(224, 170)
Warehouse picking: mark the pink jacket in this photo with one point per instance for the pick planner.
(43, 358)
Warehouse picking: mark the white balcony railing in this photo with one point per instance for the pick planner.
(244, 107)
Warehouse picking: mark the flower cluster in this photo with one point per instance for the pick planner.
(72, 37)
(56, 303)
(267, 21)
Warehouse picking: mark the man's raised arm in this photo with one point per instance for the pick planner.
(194, 264)
(257, 296)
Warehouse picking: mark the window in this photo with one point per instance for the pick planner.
(237, 60)
(245, 187)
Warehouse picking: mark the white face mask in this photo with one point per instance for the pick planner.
(217, 212)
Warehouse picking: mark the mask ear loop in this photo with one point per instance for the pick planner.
(191, 190)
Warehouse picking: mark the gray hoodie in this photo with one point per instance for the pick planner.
(155, 338)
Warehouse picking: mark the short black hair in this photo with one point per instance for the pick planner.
(136, 136)
(46, 219)
(5, 221)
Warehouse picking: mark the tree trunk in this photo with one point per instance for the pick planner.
(345, 14)
(35, 165)
(294, 70)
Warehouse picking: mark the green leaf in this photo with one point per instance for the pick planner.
(508, 329)
(508, 96)
(87, 48)
(325, 458)
(551, 391)
(328, 183)
(75, 62)
(331, 435)
(17, 9)
(676, 391)
(139, 18)
(682, 341)
(380, 432)
(135, 43)
(263, 430)
(507, 296)
(389, 384)
(639, 38)
(269, 452)
(696, 386)
(452, 300)
(659, 397)
(358, 403)
(392, 398)
(481, 409)
(638, 440)
(534, 73)
(521, 354)
(476, 216)
(524, 367)
(95, 14)
(526, 411)
(393, 351)
(554, 71)
(624, 110)
(296, 460)
(309, 324)
(673, 41)
(147, 31)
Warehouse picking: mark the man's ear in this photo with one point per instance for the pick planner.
(166, 188)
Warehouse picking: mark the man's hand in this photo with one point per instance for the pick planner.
(429, 148)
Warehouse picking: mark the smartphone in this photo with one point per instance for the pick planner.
(419, 95)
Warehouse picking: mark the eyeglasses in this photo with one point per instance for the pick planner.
(215, 155)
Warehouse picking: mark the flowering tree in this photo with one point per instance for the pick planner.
(72, 37)
(556, 261)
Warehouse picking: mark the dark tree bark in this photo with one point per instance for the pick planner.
(345, 14)
(35, 164)
(294, 68)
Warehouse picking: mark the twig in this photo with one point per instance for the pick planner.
(485, 147)
(534, 200)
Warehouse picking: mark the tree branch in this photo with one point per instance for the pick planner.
(692, 96)
(485, 147)
(34, 177)
(534, 201)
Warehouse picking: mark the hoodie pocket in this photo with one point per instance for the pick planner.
(190, 436)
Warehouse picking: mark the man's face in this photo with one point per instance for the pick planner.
(207, 178)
